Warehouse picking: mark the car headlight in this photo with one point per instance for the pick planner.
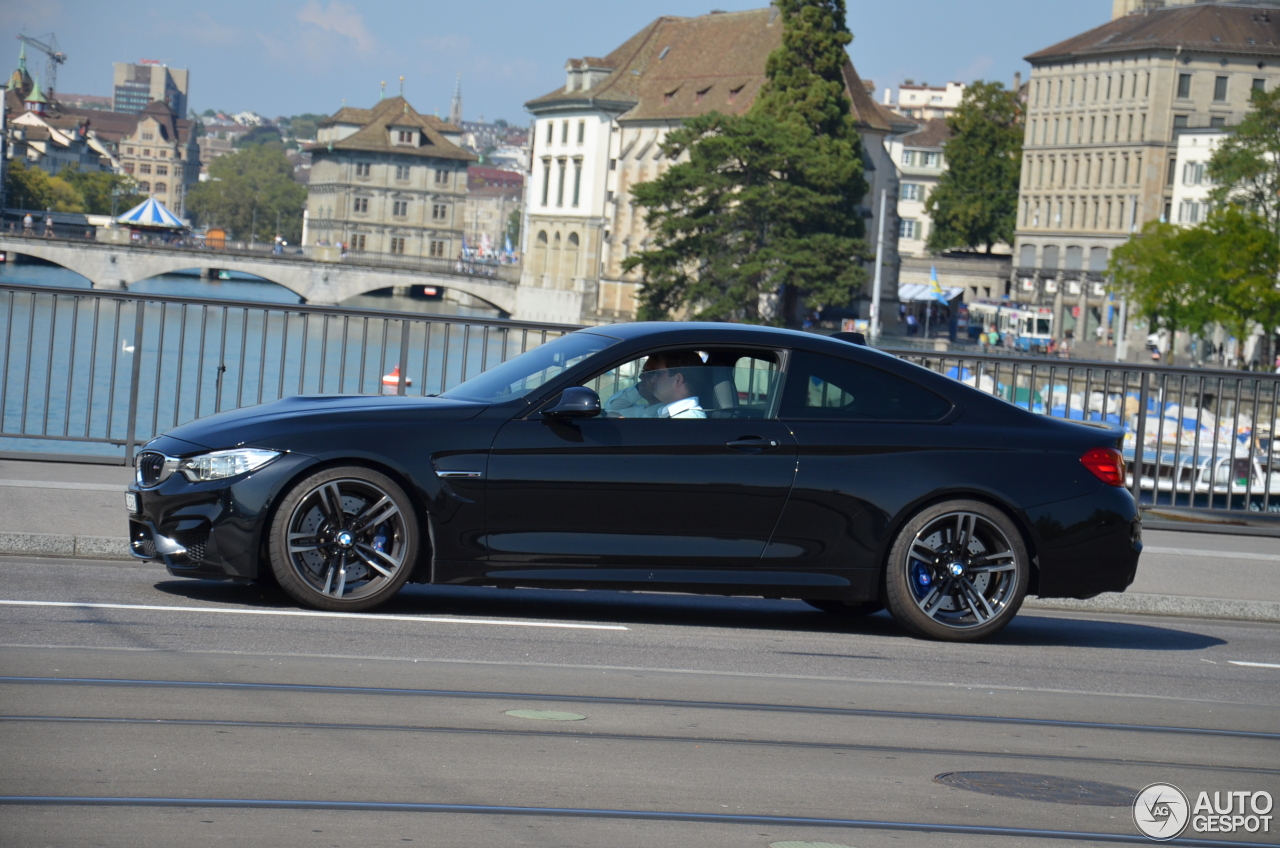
(222, 464)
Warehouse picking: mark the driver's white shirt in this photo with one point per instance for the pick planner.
(685, 408)
(629, 403)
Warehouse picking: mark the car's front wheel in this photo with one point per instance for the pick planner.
(958, 571)
(344, 539)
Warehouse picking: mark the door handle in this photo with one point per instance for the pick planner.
(752, 444)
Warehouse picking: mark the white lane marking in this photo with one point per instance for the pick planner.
(56, 484)
(1195, 552)
(1253, 664)
(363, 616)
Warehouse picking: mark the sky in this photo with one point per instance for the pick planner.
(286, 57)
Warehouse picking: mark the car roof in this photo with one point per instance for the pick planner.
(677, 331)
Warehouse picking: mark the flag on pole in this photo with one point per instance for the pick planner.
(935, 288)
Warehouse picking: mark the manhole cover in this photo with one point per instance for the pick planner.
(1040, 787)
(545, 715)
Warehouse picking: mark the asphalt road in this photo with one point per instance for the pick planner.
(145, 710)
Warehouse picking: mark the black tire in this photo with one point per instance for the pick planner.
(846, 609)
(957, 572)
(345, 539)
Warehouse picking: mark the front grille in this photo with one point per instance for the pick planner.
(195, 542)
(150, 467)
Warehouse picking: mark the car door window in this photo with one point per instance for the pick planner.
(691, 384)
(827, 388)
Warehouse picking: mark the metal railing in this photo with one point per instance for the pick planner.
(78, 234)
(1199, 444)
(93, 375)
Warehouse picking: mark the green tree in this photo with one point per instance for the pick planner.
(513, 227)
(1246, 166)
(1244, 260)
(32, 188)
(259, 135)
(255, 183)
(1163, 273)
(768, 203)
(96, 188)
(976, 201)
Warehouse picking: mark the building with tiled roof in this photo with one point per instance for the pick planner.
(162, 155)
(1104, 114)
(920, 159)
(600, 134)
(388, 180)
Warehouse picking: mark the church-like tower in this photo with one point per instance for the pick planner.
(455, 108)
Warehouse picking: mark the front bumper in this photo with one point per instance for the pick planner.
(210, 530)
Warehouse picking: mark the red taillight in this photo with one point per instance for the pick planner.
(1106, 464)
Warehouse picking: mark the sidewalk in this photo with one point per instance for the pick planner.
(58, 509)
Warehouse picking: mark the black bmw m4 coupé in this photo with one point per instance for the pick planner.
(704, 458)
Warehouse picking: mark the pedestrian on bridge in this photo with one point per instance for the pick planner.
(48, 225)
(28, 225)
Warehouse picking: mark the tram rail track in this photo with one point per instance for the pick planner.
(628, 737)
(602, 813)
(653, 702)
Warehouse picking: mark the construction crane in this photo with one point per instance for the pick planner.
(49, 47)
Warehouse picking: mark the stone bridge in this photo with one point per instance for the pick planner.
(117, 266)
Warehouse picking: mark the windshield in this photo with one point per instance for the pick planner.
(518, 377)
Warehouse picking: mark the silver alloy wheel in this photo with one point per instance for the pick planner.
(962, 570)
(347, 539)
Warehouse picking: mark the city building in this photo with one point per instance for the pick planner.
(920, 160)
(388, 180)
(162, 155)
(925, 102)
(1104, 114)
(493, 195)
(1191, 186)
(135, 86)
(601, 133)
(211, 147)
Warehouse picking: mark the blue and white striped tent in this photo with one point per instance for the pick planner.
(151, 213)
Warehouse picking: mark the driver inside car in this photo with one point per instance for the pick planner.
(666, 389)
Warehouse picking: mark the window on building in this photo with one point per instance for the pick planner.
(146, 151)
(146, 136)
(582, 132)
(909, 228)
(1173, 171)
(560, 186)
(397, 244)
(912, 191)
(442, 177)
(363, 169)
(404, 137)
(1259, 85)
(613, 164)
(551, 130)
(402, 172)
(577, 181)
(400, 208)
(164, 154)
(129, 150)
(437, 249)
(564, 133)
(932, 160)
(1217, 123)
(144, 185)
(1189, 212)
(162, 170)
(361, 205)
(908, 157)
(1220, 90)
(161, 188)
(1184, 86)
(144, 168)
(546, 180)
(439, 212)
(1193, 173)
(1180, 122)
(128, 167)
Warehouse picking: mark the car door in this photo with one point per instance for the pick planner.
(869, 442)
(627, 497)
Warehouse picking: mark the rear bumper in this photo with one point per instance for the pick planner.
(1087, 545)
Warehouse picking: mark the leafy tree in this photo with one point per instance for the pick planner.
(254, 183)
(305, 125)
(976, 201)
(513, 227)
(1244, 258)
(209, 113)
(1162, 272)
(767, 203)
(259, 135)
(96, 187)
(501, 123)
(32, 188)
(1246, 166)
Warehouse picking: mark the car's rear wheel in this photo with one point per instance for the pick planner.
(958, 572)
(344, 539)
(845, 608)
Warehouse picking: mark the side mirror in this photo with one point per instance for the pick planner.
(575, 402)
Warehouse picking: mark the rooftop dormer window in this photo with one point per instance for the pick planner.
(405, 137)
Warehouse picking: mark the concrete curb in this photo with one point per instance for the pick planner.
(59, 545)
(1174, 605)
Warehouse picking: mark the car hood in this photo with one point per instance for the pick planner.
(271, 424)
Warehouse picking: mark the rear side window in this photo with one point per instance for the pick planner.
(825, 388)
